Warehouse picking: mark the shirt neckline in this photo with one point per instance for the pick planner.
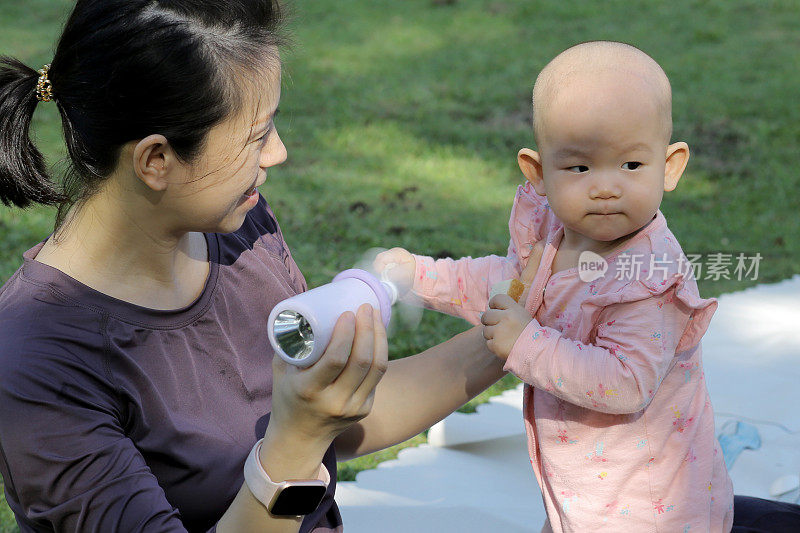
(80, 294)
(555, 241)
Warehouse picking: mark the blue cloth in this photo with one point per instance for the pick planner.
(744, 437)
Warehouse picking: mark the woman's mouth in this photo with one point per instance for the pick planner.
(252, 190)
(252, 193)
(250, 197)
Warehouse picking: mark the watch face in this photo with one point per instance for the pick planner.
(298, 500)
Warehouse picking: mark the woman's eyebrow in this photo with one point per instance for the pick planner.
(263, 121)
(261, 126)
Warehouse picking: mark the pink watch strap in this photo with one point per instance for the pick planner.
(263, 488)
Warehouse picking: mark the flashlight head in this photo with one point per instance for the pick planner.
(293, 334)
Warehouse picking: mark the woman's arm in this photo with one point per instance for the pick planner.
(283, 456)
(310, 407)
(420, 390)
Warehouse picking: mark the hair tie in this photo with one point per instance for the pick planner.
(44, 89)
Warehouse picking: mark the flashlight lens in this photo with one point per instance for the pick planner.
(293, 334)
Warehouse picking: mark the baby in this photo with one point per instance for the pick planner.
(619, 422)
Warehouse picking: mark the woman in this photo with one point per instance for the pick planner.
(136, 379)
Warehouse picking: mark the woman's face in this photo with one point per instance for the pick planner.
(219, 188)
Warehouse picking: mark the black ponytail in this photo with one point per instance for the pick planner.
(23, 173)
(126, 69)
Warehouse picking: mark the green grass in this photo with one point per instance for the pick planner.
(402, 121)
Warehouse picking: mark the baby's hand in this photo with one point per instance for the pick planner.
(503, 323)
(399, 266)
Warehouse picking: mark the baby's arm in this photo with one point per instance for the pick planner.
(460, 287)
(457, 287)
(620, 371)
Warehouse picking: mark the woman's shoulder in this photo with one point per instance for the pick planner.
(33, 294)
(35, 319)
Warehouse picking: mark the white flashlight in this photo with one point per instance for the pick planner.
(301, 327)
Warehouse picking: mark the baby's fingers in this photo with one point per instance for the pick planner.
(489, 333)
(382, 260)
(501, 301)
(492, 317)
(391, 258)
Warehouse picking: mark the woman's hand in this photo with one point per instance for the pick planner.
(312, 406)
(400, 266)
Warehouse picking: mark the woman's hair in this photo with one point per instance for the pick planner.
(126, 69)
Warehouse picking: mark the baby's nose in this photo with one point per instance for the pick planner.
(605, 194)
(604, 189)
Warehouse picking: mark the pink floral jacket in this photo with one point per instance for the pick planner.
(618, 417)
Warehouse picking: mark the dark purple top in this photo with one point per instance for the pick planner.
(116, 417)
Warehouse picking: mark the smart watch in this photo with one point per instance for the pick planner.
(293, 497)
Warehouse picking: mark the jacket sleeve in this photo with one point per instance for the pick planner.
(460, 287)
(632, 351)
(67, 463)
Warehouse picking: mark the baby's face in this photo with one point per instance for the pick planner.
(603, 153)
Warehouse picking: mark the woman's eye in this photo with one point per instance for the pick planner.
(578, 168)
(631, 165)
(264, 136)
(270, 127)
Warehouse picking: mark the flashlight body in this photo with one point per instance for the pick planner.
(300, 327)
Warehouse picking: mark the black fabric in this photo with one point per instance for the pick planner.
(757, 515)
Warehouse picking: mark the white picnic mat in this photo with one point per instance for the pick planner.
(474, 474)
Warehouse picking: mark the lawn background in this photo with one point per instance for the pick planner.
(402, 121)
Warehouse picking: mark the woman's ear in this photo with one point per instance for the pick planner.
(677, 159)
(152, 159)
(530, 163)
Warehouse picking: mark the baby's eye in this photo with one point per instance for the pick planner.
(631, 165)
(578, 168)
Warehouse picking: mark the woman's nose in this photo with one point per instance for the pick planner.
(274, 153)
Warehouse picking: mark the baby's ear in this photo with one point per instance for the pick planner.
(677, 158)
(530, 163)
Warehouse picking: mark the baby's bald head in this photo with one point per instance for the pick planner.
(591, 64)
